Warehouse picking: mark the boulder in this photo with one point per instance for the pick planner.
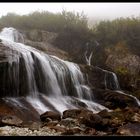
(68, 122)
(132, 114)
(11, 120)
(75, 113)
(119, 100)
(11, 108)
(130, 129)
(81, 117)
(104, 114)
(90, 131)
(50, 114)
(72, 113)
(91, 120)
(136, 118)
(114, 119)
(49, 124)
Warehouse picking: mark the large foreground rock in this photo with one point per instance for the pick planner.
(115, 99)
(11, 120)
(50, 114)
(13, 114)
(75, 113)
(130, 129)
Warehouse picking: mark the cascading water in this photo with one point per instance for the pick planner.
(11, 34)
(46, 81)
(111, 82)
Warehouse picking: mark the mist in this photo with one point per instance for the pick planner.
(94, 11)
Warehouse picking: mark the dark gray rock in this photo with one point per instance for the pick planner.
(50, 114)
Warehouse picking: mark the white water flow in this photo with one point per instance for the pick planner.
(111, 82)
(51, 82)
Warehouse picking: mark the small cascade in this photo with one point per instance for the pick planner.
(47, 82)
(12, 34)
(136, 99)
(111, 82)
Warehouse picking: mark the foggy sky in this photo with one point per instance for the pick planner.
(92, 10)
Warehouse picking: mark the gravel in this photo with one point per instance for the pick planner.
(18, 131)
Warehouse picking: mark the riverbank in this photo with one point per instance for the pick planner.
(78, 122)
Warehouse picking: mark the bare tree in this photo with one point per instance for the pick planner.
(90, 50)
(88, 59)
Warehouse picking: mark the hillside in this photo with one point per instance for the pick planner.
(54, 69)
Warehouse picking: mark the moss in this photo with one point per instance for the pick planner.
(122, 71)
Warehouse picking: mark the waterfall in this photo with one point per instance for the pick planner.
(46, 81)
(111, 82)
(115, 86)
(12, 34)
(136, 99)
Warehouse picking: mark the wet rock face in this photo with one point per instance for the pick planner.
(10, 85)
(99, 78)
(13, 114)
(113, 99)
(7, 54)
(118, 100)
(94, 75)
